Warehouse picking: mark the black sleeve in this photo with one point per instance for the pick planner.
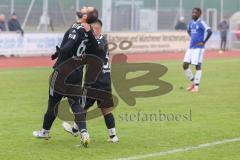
(101, 44)
(92, 39)
(209, 33)
(2, 27)
(19, 28)
(10, 26)
(189, 30)
(74, 33)
(67, 46)
(105, 44)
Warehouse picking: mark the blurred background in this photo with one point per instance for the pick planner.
(118, 15)
(150, 25)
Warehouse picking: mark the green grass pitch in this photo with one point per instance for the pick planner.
(215, 116)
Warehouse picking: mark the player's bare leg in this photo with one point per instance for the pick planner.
(197, 78)
(189, 74)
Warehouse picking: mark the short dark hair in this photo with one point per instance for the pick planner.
(198, 9)
(99, 22)
(93, 15)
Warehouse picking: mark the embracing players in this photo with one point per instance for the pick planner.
(103, 83)
(78, 36)
(199, 32)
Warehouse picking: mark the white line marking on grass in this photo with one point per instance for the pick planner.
(185, 149)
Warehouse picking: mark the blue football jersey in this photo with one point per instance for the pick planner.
(197, 30)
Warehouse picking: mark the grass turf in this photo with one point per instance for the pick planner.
(214, 110)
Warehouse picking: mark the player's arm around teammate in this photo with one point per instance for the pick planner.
(103, 83)
(73, 38)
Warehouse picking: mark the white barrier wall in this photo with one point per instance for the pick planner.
(29, 45)
(149, 42)
(34, 44)
(156, 42)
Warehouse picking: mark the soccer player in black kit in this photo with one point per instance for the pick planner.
(103, 82)
(73, 45)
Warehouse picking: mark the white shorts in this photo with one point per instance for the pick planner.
(194, 56)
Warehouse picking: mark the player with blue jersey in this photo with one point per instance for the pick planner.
(200, 33)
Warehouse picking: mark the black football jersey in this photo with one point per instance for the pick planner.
(75, 42)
